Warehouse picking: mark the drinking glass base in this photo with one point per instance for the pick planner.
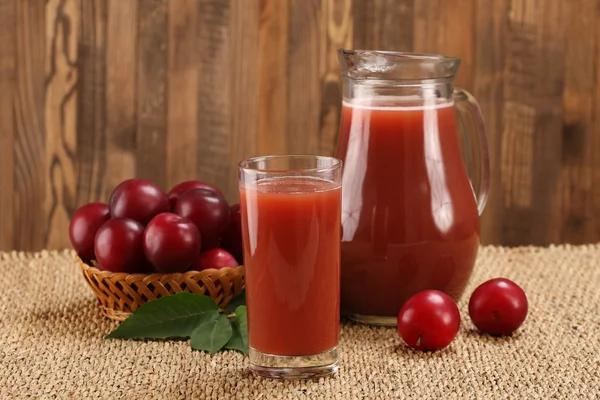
(373, 319)
(293, 367)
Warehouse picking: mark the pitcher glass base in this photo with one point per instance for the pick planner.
(293, 367)
(373, 319)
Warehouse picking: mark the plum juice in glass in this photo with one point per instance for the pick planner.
(291, 210)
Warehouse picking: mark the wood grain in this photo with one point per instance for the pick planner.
(214, 111)
(98, 91)
(30, 222)
(273, 31)
(428, 17)
(574, 191)
(60, 114)
(549, 147)
(520, 112)
(92, 146)
(488, 88)
(8, 90)
(121, 112)
(548, 29)
(151, 93)
(182, 92)
(595, 131)
(457, 38)
(245, 102)
(338, 25)
(446, 27)
(304, 77)
(384, 24)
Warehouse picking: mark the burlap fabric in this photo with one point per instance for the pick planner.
(51, 343)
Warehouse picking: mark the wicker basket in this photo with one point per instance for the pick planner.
(121, 293)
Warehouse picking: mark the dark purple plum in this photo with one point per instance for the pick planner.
(139, 200)
(83, 227)
(171, 243)
(119, 246)
(232, 241)
(209, 211)
(182, 187)
(215, 258)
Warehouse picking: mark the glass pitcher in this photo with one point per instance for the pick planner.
(415, 180)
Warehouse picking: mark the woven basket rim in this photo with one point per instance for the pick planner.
(107, 274)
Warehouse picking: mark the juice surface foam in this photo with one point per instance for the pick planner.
(292, 185)
(398, 103)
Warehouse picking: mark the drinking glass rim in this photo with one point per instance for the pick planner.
(337, 163)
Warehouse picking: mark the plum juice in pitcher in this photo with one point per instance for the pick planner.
(410, 217)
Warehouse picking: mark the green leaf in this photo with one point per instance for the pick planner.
(240, 300)
(212, 334)
(241, 320)
(236, 342)
(177, 315)
(239, 340)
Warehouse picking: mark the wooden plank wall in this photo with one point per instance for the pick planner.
(96, 91)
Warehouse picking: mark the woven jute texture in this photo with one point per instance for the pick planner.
(51, 343)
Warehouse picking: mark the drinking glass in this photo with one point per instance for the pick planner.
(291, 229)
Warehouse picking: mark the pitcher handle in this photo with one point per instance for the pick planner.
(475, 152)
